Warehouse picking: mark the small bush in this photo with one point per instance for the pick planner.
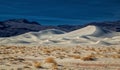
(50, 60)
(75, 56)
(37, 64)
(54, 67)
(88, 58)
(116, 56)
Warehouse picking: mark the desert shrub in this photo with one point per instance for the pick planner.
(37, 64)
(116, 56)
(88, 58)
(54, 67)
(47, 51)
(50, 60)
(75, 56)
(53, 62)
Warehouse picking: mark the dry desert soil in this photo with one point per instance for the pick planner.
(59, 58)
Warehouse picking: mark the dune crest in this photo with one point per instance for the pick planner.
(89, 30)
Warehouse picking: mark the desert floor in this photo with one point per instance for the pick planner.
(59, 58)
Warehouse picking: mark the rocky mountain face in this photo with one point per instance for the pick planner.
(19, 26)
(15, 27)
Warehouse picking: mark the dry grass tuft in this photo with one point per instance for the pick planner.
(88, 58)
(50, 60)
(75, 56)
(116, 56)
(47, 51)
(54, 67)
(37, 64)
(54, 63)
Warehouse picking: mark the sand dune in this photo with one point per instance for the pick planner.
(89, 30)
(90, 35)
(89, 48)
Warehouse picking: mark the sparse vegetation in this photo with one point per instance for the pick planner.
(37, 64)
(88, 58)
(50, 60)
(12, 56)
(75, 56)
